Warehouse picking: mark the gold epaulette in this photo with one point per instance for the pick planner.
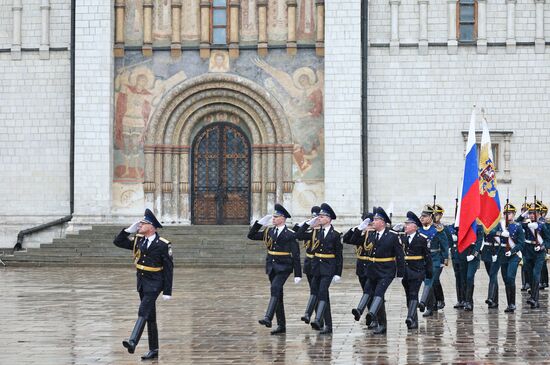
(164, 240)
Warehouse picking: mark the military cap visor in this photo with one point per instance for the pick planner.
(149, 218)
(509, 208)
(315, 211)
(326, 210)
(438, 209)
(280, 211)
(428, 210)
(381, 214)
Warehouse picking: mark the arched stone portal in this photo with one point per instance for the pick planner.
(191, 106)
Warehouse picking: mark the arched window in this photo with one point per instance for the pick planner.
(219, 20)
(467, 20)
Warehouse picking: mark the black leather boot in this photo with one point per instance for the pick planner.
(133, 341)
(510, 298)
(424, 297)
(459, 296)
(491, 294)
(381, 329)
(266, 321)
(469, 305)
(439, 296)
(411, 315)
(309, 308)
(319, 315)
(327, 329)
(431, 305)
(534, 300)
(281, 319)
(377, 302)
(358, 312)
(152, 354)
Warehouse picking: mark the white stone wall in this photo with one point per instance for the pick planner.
(34, 124)
(93, 110)
(419, 105)
(343, 108)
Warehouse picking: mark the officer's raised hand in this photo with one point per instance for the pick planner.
(265, 220)
(312, 221)
(166, 297)
(133, 228)
(336, 279)
(470, 257)
(364, 224)
(297, 280)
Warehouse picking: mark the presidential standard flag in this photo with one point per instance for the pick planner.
(489, 214)
(470, 202)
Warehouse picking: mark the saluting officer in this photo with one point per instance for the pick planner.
(418, 265)
(439, 249)
(310, 247)
(283, 256)
(386, 262)
(326, 265)
(154, 264)
(512, 243)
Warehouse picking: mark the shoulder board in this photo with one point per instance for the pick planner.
(164, 240)
(139, 235)
(423, 235)
(439, 227)
(392, 231)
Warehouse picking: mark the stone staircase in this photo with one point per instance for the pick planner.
(191, 245)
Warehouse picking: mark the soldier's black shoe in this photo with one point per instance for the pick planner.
(279, 329)
(459, 305)
(428, 313)
(373, 324)
(266, 321)
(153, 354)
(510, 309)
(316, 324)
(309, 308)
(377, 302)
(440, 304)
(427, 292)
(535, 304)
(130, 345)
(411, 315)
(326, 330)
(525, 287)
(380, 330)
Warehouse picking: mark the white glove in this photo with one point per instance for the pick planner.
(525, 214)
(497, 239)
(364, 224)
(133, 228)
(297, 280)
(494, 258)
(166, 297)
(469, 257)
(537, 248)
(533, 225)
(398, 227)
(455, 237)
(312, 221)
(301, 224)
(505, 234)
(336, 279)
(265, 220)
(508, 253)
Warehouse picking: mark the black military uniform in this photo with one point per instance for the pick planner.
(386, 260)
(418, 265)
(154, 264)
(310, 246)
(326, 264)
(358, 238)
(283, 256)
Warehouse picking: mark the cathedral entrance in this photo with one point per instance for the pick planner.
(221, 176)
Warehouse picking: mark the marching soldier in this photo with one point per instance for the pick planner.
(283, 257)
(525, 278)
(310, 246)
(386, 261)
(418, 265)
(439, 248)
(544, 272)
(154, 264)
(534, 252)
(326, 265)
(438, 289)
(460, 279)
(473, 256)
(512, 243)
(493, 255)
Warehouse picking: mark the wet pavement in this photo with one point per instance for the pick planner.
(80, 315)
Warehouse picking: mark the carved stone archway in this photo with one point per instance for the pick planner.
(190, 106)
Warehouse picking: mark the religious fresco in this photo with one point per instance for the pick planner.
(249, 24)
(296, 82)
(306, 20)
(133, 30)
(162, 22)
(277, 21)
(190, 32)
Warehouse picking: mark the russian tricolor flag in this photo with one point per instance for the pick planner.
(470, 202)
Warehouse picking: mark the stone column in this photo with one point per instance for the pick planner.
(320, 34)
(452, 43)
(288, 183)
(17, 10)
(511, 26)
(279, 168)
(205, 29)
(539, 30)
(175, 46)
(184, 188)
(291, 46)
(394, 41)
(166, 187)
(234, 28)
(44, 50)
(256, 182)
(271, 185)
(147, 47)
(423, 27)
(149, 175)
(120, 8)
(482, 26)
(262, 27)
